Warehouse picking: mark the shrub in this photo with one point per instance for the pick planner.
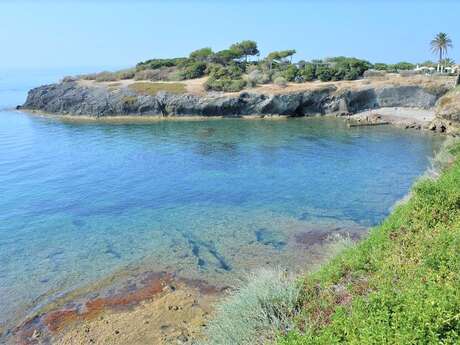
(257, 77)
(381, 66)
(163, 73)
(193, 70)
(225, 84)
(159, 63)
(351, 74)
(401, 66)
(348, 63)
(226, 78)
(290, 73)
(324, 73)
(146, 74)
(126, 74)
(337, 73)
(232, 71)
(256, 312)
(280, 81)
(308, 72)
(106, 76)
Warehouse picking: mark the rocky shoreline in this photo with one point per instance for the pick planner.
(73, 99)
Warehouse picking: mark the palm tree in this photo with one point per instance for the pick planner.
(439, 45)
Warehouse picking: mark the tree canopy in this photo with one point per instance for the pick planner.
(203, 54)
(245, 48)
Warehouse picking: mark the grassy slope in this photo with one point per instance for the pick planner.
(399, 286)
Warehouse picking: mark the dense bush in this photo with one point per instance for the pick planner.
(193, 70)
(394, 68)
(402, 66)
(380, 66)
(338, 68)
(308, 72)
(158, 63)
(346, 64)
(225, 78)
(233, 71)
(290, 73)
(225, 84)
(324, 73)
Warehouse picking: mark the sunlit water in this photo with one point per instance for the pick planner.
(207, 199)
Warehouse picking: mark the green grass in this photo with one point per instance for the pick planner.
(401, 285)
(145, 88)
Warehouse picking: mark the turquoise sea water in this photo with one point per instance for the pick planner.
(206, 199)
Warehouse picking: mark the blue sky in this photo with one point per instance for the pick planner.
(120, 33)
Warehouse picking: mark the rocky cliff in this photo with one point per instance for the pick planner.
(71, 98)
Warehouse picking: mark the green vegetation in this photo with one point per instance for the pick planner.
(236, 68)
(394, 68)
(146, 88)
(159, 63)
(232, 69)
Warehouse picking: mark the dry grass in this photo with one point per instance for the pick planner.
(449, 103)
(146, 88)
(433, 84)
(114, 86)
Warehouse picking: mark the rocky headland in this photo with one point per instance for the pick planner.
(363, 97)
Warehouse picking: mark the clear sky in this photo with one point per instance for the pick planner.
(120, 33)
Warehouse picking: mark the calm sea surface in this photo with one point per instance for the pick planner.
(207, 199)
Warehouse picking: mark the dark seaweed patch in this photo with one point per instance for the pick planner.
(269, 238)
(198, 245)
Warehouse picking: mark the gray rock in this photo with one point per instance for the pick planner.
(69, 98)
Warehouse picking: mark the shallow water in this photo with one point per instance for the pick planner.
(208, 199)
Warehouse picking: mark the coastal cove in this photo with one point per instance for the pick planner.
(85, 201)
(229, 173)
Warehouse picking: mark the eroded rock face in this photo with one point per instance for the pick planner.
(448, 113)
(72, 99)
(448, 106)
